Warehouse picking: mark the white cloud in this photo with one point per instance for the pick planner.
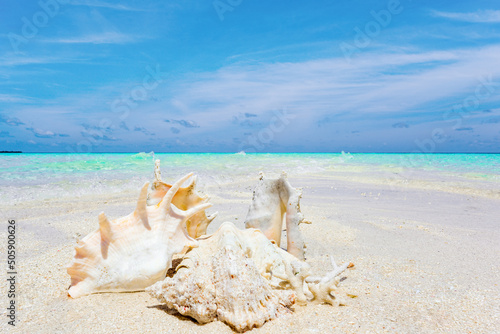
(16, 60)
(480, 16)
(12, 98)
(373, 83)
(361, 95)
(109, 37)
(103, 4)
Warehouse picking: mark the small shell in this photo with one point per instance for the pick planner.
(135, 251)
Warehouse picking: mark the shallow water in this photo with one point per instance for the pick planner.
(41, 176)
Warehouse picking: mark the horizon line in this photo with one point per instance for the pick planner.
(341, 152)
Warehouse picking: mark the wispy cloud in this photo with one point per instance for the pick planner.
(143, 130)
(39, 133)
(183, 122)
(110, 37)
(405, 82)
(12, 98)
(328, 92)
(103, 4)
(16, 60)
(99, 137)
(242, 119)
(401, 125)
(12, 121)
(480, 16)
(95, 129)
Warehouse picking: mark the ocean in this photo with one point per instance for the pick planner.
(41, 176)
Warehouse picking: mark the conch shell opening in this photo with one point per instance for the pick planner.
(186, 197)
(273, 201)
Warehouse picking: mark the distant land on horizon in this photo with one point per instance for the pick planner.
(11, 151)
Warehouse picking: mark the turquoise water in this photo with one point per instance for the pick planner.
(26, 177)
(47, 168)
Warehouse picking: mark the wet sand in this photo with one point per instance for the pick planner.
(426, 250)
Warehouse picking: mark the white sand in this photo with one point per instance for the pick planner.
(426, 254)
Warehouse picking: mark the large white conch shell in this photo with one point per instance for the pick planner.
(135, 251)
(184, 199)
(242, 278)
(272, 199)
(221, 281)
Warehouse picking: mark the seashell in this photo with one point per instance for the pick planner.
(235, 279)
(135, 251)
(184, 199)
(242, 278)
(272, 199)
(221, 279)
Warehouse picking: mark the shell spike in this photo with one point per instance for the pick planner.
(143, 241)
(212, 216)
(142, 203)
(104, 226)
(167, 200)
(191, 212)
(193, 182)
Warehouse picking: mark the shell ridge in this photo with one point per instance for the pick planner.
(141, 209)
(132, 252)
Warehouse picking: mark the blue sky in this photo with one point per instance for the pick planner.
(258, 76)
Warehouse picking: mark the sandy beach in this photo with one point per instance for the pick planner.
(425, 248)
(375, 123)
